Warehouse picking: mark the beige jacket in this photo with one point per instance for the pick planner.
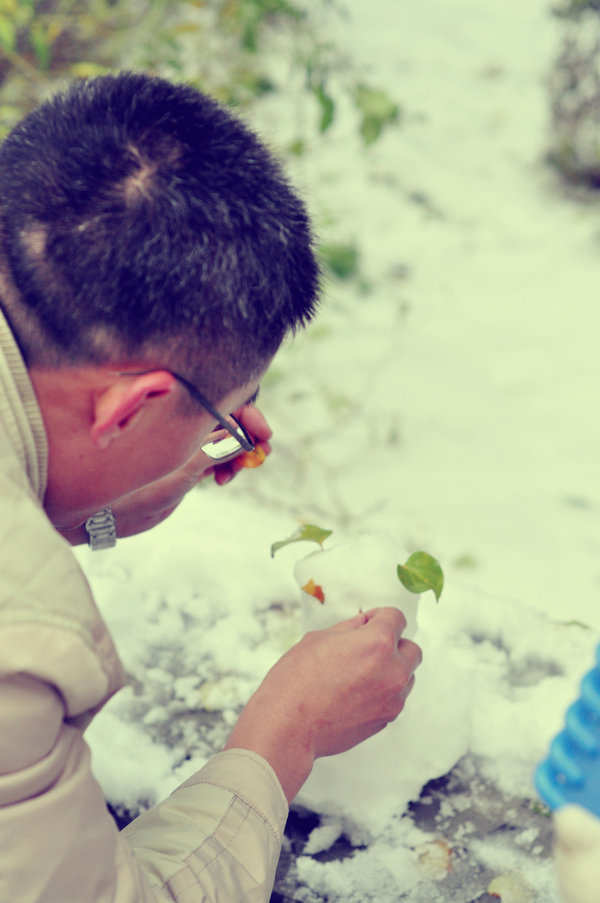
(216, 838)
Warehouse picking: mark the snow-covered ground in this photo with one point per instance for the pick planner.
(450, 403)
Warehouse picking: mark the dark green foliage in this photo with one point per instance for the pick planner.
(340, 259)
(247, 18)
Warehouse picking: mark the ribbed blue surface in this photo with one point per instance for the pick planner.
(571, 772)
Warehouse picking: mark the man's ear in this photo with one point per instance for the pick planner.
(116, 408)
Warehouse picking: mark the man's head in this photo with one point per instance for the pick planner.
(141, 221)
(143, 230)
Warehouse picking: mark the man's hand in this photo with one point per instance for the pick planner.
(332, 690)
(146, 507)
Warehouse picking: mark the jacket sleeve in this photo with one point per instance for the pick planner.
(217, 837)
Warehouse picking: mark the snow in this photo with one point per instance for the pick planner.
(451, 406)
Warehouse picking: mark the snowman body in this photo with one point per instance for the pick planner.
(376, 780)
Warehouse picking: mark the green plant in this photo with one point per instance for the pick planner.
(246, 18)
(41, 35)
(377, 111)
(18, 20)
(375, 107)
(42, 42)
(221, 46)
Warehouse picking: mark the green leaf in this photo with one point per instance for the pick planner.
(307, 532)
(40, 41)
(376, 103)
(420, 573)
(8, 34)
(371, 129)
(377, 109)
(327, 105)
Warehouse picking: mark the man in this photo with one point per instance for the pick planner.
(152, 258)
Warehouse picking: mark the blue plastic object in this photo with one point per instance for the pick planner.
(571, 772)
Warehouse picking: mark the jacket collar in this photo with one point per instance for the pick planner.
(20, 412)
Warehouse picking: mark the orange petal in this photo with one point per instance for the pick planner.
(315, 590)
(252, 459)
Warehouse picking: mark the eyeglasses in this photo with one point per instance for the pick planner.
(222, 448)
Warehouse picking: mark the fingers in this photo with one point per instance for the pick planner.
(225, 472)
(387, 619)
(403, 657)
(401, 698)
(254, 421)
(237, 463)
(410, 653)
(408, 688)
(393, 653)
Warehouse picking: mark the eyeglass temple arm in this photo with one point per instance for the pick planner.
(238, 433)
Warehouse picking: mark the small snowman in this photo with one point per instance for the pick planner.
(374, 781)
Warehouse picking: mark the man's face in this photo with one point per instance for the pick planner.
(163, 439)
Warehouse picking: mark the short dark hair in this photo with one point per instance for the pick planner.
(136, 215)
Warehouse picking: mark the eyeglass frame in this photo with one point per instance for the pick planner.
(239, 433)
